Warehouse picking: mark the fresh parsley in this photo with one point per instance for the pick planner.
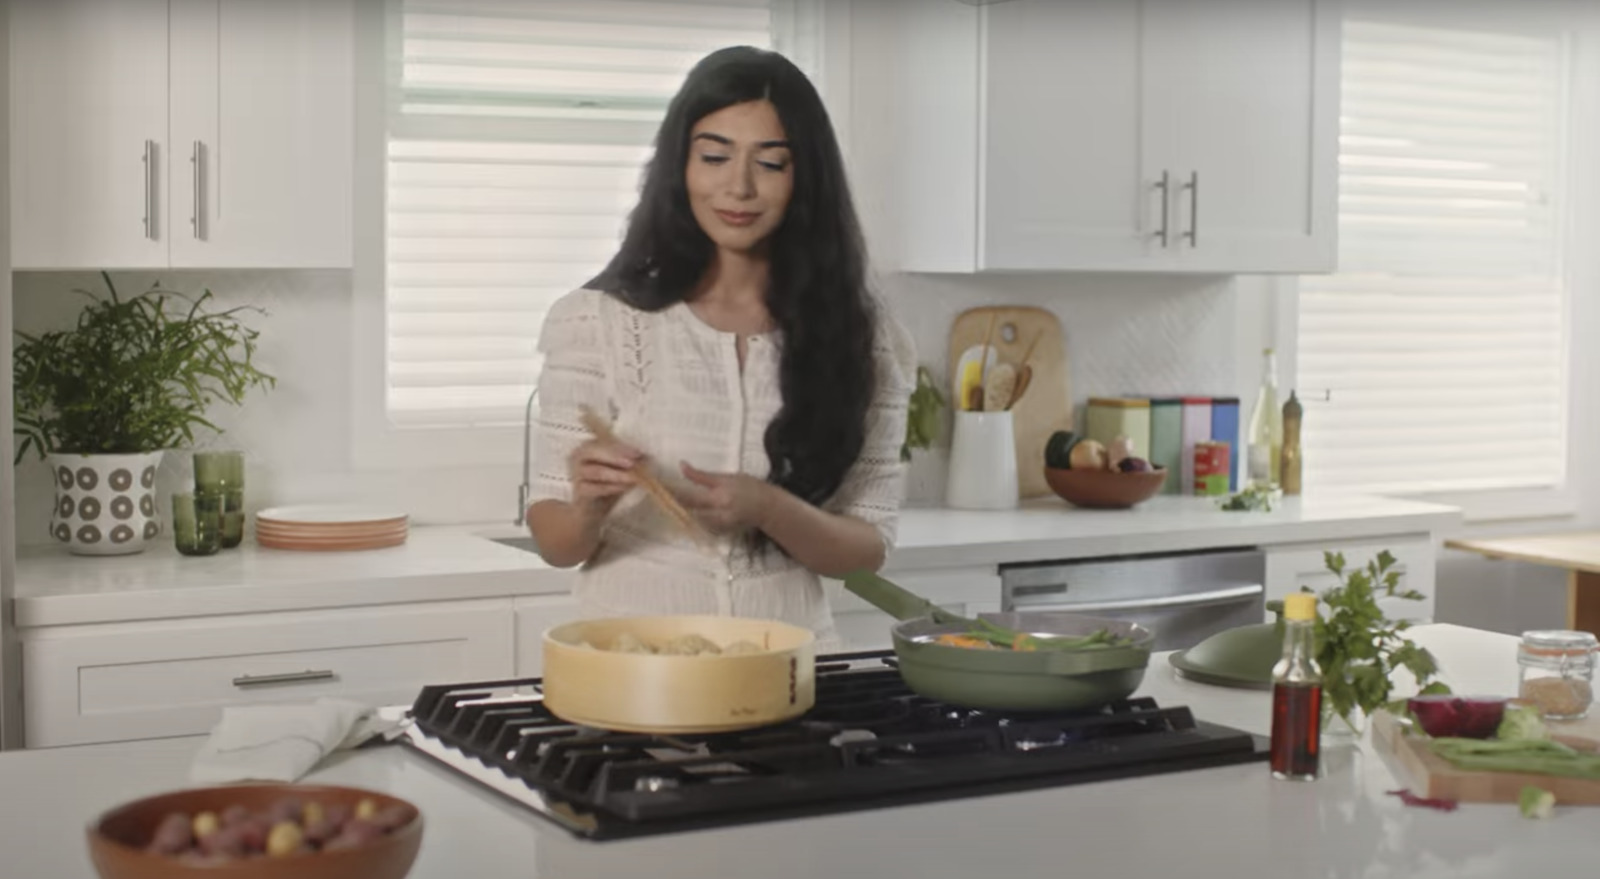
(1358, 646)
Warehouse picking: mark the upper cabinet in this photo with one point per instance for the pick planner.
(181, 133)
(1120, 135)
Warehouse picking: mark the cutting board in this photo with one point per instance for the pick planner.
(1046, 407)
(1429, 775)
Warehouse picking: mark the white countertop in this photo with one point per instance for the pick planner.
(443, 562)
(1231, 821)
(1047, 528)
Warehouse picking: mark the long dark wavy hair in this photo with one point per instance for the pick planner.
(817, 293)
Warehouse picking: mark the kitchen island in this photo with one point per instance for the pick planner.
(1230, 821)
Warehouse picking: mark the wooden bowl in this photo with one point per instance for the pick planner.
(118, 837)
(1104, 489)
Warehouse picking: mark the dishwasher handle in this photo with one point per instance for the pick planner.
(1228, 595)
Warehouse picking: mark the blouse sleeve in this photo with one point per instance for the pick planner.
(874, 487)
(573, 376)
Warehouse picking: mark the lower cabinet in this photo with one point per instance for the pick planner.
(1290, 567)
(122, 681)
(535, 615)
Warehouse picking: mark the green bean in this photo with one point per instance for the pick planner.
(1541, 757)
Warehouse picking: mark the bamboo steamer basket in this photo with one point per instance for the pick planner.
(678, 695)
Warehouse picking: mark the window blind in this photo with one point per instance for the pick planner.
(517, 134)
(1435, 358)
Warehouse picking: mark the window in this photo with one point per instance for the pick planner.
(517, 131)
(1435, 359)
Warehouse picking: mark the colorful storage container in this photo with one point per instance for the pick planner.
(1225, 429)
(1196, 429)
(1166, 440)
(1109, 417)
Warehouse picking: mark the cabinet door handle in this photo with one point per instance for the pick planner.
(1163, 188)
(197, 218)
(1194, 209)
(297, 677)
(149, 190)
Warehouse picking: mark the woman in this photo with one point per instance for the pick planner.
(734, 347)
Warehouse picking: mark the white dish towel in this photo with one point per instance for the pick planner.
(284, 742)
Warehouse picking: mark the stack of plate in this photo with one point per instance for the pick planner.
(335, 528)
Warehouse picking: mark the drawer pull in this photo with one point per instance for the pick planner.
(291, 678)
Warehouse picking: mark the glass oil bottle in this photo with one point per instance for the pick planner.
(1297, 694)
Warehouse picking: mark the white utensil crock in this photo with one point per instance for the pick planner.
(983, 462)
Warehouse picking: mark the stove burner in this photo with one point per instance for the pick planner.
(869, 741)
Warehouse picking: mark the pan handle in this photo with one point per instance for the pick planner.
(1082, 662)
(896, 601)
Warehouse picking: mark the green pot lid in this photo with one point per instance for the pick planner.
(1239, 657)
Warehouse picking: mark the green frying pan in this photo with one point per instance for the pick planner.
(1004, 679)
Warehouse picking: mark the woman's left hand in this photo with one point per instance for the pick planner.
(726, 502)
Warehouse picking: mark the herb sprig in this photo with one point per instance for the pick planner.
(1358, 646)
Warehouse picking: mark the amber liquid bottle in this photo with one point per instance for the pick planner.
(1297, 694)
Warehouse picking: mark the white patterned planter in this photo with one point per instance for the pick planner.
(105, 504)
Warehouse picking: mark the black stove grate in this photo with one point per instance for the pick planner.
(868, 741)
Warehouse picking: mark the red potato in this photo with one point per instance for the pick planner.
(253, 831)
(392, 818)
(175, 834)
(229, 841)
(288, 827)
(286, 809)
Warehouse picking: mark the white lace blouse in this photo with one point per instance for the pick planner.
(672, 387)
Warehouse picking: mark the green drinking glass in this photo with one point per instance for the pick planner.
(197, 522)
(222, 473)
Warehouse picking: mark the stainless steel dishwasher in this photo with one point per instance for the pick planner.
(1182, 597)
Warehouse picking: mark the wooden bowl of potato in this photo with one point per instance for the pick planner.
(1087, 474)
(258, 831)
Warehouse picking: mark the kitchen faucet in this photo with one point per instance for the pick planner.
(527, 482)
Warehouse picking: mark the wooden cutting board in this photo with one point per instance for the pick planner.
(1046, 406)
(1429, 775)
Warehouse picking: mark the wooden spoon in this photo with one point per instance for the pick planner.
(1024, 372)
(653, 486)
(983, 365)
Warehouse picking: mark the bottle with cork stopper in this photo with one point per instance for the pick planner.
(1297, 694)
(1290, 458)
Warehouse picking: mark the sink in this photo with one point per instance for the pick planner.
(526, 544)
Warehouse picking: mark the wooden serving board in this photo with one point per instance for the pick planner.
(1046, 406)
(1429, 775)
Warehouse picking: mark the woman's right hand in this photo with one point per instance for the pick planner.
(601, 473)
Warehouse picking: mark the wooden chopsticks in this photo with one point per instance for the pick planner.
(653, 486)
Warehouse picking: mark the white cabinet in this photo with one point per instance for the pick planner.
(1290, 567)
(535, 615)
(961, 590)
(1120, 135)
(123, 681)
(88, 134)
(182, 133)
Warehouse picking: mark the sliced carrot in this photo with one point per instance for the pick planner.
(964, 641)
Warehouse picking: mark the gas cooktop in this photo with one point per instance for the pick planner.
(869, 742)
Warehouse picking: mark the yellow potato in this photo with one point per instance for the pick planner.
(205, 824)
(285, 839)
(312, 813)
(366, 810)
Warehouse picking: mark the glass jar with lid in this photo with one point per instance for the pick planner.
(1558, 672)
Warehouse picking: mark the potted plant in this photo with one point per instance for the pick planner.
(102, 402)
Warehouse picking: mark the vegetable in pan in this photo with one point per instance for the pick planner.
(985, 635)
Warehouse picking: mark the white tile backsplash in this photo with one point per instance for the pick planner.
(1123, 335)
